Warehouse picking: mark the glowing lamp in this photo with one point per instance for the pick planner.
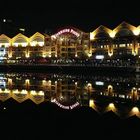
(136, 32)
(111, 106)
(112, 34)
(91, 36)
(135, 110)
(91, 103)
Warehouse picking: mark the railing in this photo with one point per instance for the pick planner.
(73, 64)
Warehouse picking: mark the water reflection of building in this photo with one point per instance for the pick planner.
(67, 89)
(119, 44)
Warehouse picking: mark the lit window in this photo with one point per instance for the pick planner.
(122, 45)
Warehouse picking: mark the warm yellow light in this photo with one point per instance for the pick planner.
(111, 106)
(27, 81)
(44, 82)
(91, 103)
(5, 44)
(7, 91)
(75, 55)
(49, 81)
(134, 53)
(91, 36)
(33, 92)
(44, 55)
(24, 91)
(110, 54)
(9, 81)
(24, 44)
(135, 110)
(112, 34)
(136, 32)
(41, 44)
(33, 43)
(10, 55)
(89, 85)
(16, 91)
(89, 54)
(110, 87)
(41, 93)
(27, 55)
(50, 55)
(61, 39)
(4, 91)
(134, 88)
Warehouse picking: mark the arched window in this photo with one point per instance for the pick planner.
(20, 40)
(37, 40)
(124, 32)
(102, 35)
(4, 41)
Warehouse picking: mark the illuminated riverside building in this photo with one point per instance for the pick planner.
(71, 43)
(66, 43)
(123, 40)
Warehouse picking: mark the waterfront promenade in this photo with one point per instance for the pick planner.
(72, 67)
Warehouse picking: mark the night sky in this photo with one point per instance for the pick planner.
(48, 16)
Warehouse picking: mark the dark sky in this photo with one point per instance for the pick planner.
(86, 15)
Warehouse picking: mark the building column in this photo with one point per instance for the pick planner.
(10, 52)
(135, 47)
(27, 53)
(44, 52)
(110, 49)
(134, 94)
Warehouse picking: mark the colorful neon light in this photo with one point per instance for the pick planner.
(67, 31)
(64, 106)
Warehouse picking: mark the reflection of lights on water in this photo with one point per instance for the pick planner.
(135, 110)
(40, 93)
(16, 91)
(111, 106)
(64, 106)
(89, 85)
(24, 91)
(91, 103)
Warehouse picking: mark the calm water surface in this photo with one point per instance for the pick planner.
(102, 93)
